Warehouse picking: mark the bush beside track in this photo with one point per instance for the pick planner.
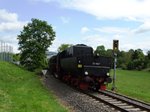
(135, 84)
(22, 91)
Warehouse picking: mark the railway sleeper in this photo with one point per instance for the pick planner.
(121, 104)
(107, 98)
(116, 102)
(127, 106)
(133, 109)
(111, 100)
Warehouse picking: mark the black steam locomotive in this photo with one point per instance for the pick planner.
(79, 66)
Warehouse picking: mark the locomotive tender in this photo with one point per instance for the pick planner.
(78, 66)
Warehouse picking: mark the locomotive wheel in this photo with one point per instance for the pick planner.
(83, 86)
(94, 86)
(97, 87)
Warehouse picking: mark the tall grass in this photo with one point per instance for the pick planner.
(133, 83)
(22, 91)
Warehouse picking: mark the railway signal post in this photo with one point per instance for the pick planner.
(115, 49)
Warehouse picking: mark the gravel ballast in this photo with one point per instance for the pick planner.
(73, 99)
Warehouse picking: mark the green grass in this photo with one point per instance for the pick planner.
(135, 84)
(22, 91)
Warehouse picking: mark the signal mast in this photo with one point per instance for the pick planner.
(115, 49)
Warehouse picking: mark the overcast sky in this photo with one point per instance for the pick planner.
(91, 22)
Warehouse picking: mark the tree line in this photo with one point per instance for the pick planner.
(129, 60)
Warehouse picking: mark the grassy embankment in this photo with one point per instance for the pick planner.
(135, 84)
(22, 91)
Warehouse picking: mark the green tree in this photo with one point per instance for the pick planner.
(121, 61)
(138, 54)
(100, 50)
(137, 60)
(131, 52)
(148, 54)
(63, 47)
(16, 57)
(109, 53)
(34, 40)
(147, 59)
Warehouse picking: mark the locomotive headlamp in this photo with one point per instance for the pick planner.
(79, 66)
(86, 73)
(108, 74)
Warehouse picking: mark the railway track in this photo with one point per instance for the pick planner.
(119, 102)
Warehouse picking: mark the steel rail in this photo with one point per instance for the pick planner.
(128, 100)
(117, 103)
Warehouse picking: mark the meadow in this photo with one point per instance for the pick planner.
(22, 91)
(135, 84)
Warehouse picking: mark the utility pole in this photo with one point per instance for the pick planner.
(115, 49)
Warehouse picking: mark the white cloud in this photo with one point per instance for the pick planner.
(60, 40)
(118, 30)
(84, 29)
(9, 26)
(55, 45)
(144, 45)
(145, 27)
(7, 16)
(65, 19)
(10, 39)
(9, 21)
(117, 36)
(96, 40)
(110, 9)
(114, 9)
